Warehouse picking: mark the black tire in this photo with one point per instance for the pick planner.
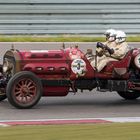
(24, 90)
(129, 95)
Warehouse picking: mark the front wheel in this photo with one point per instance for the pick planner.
(24, 90)
(129, 95)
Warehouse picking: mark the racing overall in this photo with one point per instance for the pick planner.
(99, 59)
(120, 50)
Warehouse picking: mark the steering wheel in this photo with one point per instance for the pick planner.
(103, 48)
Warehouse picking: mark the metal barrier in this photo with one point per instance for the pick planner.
(90, 17)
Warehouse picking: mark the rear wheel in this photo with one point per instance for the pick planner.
(24, 90)
(129, 95)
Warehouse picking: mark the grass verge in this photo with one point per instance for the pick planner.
(110, 131)
(49, 39)
(59, 39)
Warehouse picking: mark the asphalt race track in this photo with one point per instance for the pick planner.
(91, 104)
(82, 105)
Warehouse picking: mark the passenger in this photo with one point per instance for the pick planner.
(121, 47)
(110, 42)
(119, 51)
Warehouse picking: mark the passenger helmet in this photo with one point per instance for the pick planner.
(120, 37)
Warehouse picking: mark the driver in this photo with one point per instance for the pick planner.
(110, 42)
(110, 39)
(120, 48)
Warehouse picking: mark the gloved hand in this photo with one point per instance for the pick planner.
(100, 45)
(111, 51)
(105, 47)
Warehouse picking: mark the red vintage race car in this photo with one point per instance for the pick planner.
(28, 75)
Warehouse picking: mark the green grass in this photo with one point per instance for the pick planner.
(26, 38)
(114, 131)
(49, 39)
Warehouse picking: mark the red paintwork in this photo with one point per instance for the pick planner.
(56, 64)
(57, 59)
(55, 91)
(135, 52)
(108, 70)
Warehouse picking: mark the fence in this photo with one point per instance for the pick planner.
(84, 17)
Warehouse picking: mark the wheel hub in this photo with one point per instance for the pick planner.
(24, 90)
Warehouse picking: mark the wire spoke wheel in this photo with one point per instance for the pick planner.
(24, 90)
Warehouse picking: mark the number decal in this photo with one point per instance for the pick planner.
(78, 66)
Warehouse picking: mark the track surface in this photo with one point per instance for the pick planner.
(82, 105)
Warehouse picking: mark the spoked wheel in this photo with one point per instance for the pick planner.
(24, 90)
(129, 95)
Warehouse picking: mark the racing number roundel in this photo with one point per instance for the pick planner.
(78, 66)
(137, 60)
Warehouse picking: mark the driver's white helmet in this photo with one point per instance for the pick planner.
(120, 37)
(110, 35)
